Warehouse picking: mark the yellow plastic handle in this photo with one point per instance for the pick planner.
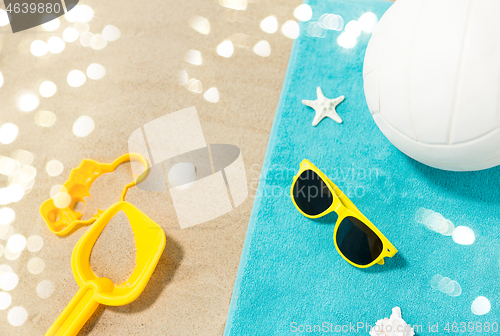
(80, 308)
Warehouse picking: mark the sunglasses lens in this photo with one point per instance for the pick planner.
(311, 194)
(358, 242)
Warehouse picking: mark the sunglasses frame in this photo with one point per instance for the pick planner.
(344, 207)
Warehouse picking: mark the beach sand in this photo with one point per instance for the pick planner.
(190, 290)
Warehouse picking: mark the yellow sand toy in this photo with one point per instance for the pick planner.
(62, 221)
(149, 241)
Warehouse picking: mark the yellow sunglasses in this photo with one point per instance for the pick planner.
(356, 238)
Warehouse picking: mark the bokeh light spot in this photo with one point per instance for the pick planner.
(262, 48)
(225, 49)
(241, 40)
(34, 243)
(84, 13)
(39, 48)
(7, 215)
(52, 24)
(211, 95)
(4, 18)
(5, 300)
(36, 265)
(463, 235)
(87, 39)
(76, 78)
(194, 85)
(72, 14)
(70, 34)
(45, 118)
(314, 29)
(445, 285)
(353, 28)
(457, 289)
(4, 268)
(17, 316)
(16, 243)
(96, 71)
(62, 200)
(45, 289)
(368, 22)
(434, 221)
(193, 57)
(9, 167)
(240, 5)
(16, 192)
(5, 232)
(8, 281)
(8, 133)
(303, 12)
(56, 189)
(182, 77)
(81, 27)
(481, 306)
(331, 22)
(24, 157)
(83, 126)
(99, 42)
(269, 24)
(200, 24)
(346, 40)
(25, 177)
(291, 29)
(56, 45)
(111, 33)
(11, 255)
(47, 89)
(54, 168)
(28, 102)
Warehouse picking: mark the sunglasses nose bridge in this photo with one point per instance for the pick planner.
(341, 210)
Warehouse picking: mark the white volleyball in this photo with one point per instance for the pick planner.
(431, 78)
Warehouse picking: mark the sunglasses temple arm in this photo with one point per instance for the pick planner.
(393, 251)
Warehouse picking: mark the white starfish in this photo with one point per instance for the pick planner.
(324, 107)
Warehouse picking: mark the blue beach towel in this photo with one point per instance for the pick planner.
(290, 274)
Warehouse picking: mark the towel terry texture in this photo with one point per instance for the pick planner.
(290, 273)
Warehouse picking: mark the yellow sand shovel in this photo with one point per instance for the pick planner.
(149, 241)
